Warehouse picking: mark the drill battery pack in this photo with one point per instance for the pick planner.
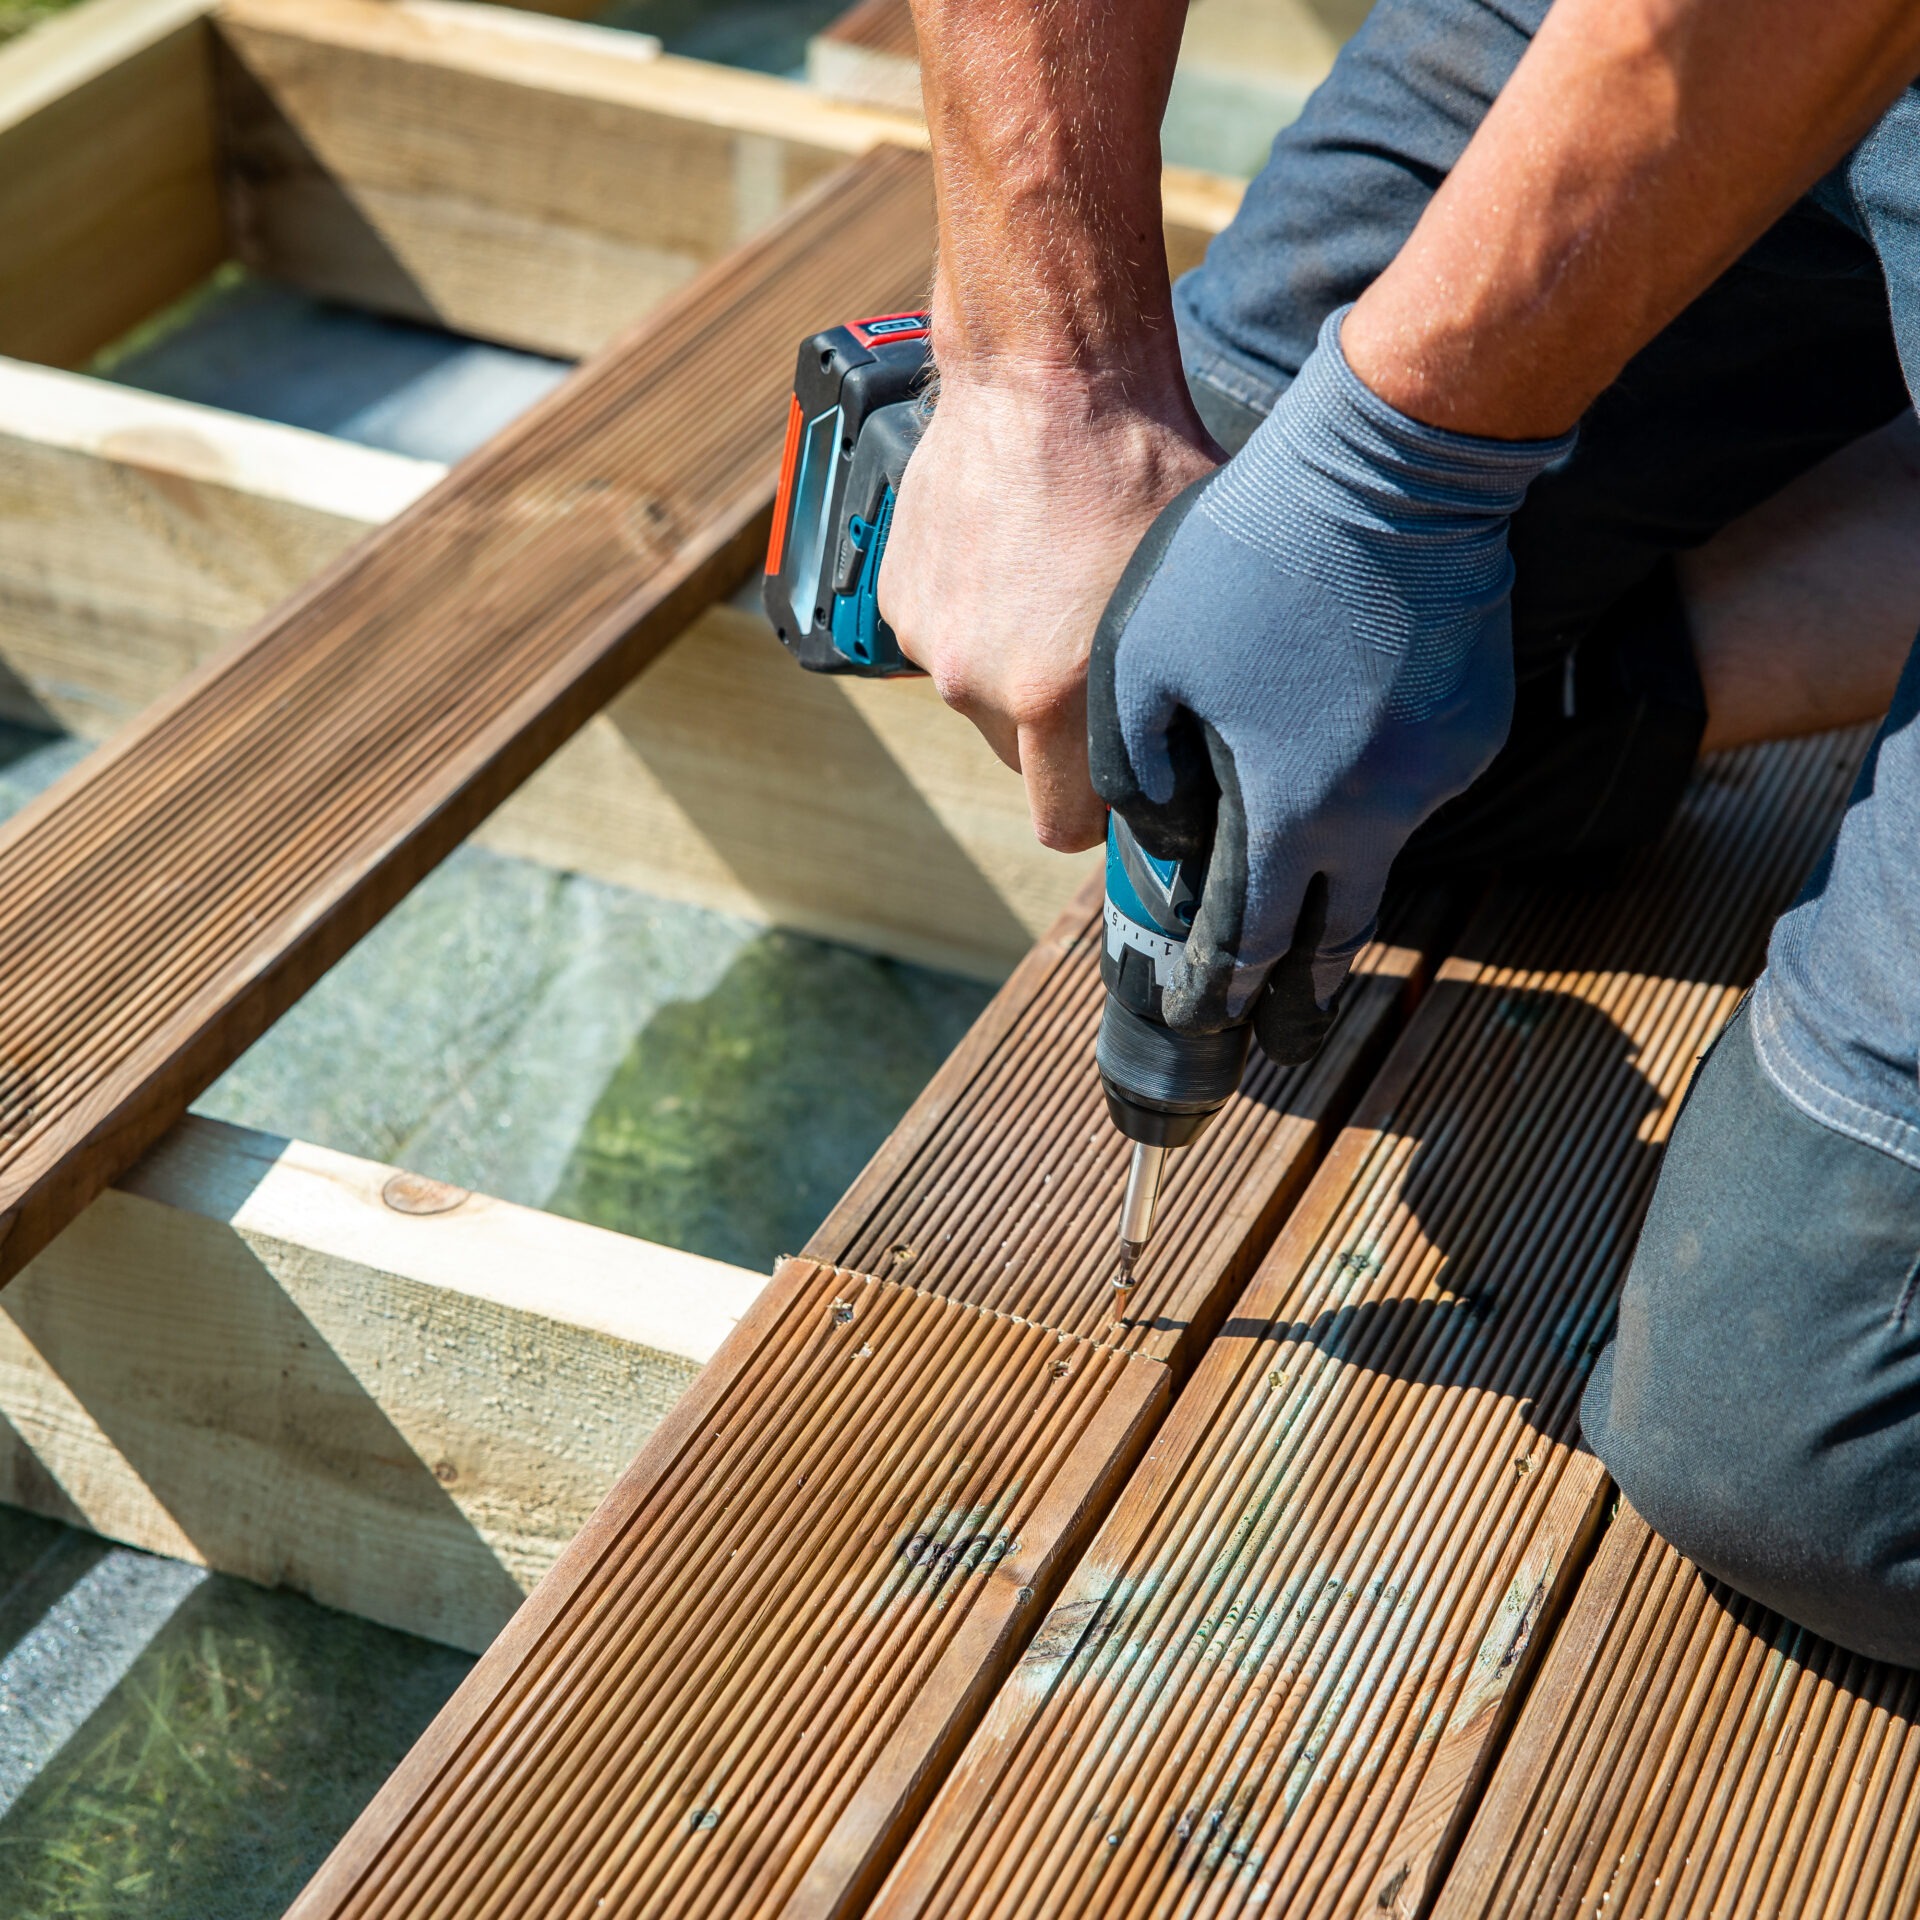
(859, 408)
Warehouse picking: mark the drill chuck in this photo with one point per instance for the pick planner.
(1163, 1087)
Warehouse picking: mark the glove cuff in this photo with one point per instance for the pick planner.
(1340, 425)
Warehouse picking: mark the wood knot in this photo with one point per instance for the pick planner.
(414, 1193)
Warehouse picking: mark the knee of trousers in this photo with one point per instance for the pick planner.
(1760, 1402)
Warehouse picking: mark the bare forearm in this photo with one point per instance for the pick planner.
(1045, 117)
(1639, 148)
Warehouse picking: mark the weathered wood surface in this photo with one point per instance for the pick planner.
(526, 181)
(1685, 1753)
(312, 1371)
(1273, 1682)
(731, 1693)
(109, 206)
(163, 904)
(810, 1792)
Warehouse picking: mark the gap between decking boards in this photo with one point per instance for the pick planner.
(972, 1234)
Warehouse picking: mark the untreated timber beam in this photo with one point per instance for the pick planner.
(1278, 1674)
(171, 897)
(109, 204)
(1686, 1752)
(870, 56)
(141, 535)
(526, 181)
(398, 1397)
(735, 1692)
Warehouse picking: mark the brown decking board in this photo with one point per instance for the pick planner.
(1273, 1682)
(174, 895)
(730, 1692)
(824, 1783)
(1001, 1185)
(1686, 1753)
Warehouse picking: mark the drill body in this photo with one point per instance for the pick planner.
(859, 408)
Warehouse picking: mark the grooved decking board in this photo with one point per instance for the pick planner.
(174, 895)
(1001, 1186)
(1271, 1684)
(816, 1779)
(1686, 1753)
(879, 26)
(733, 1691)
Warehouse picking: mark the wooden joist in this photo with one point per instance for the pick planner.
(533, 182)
(870, 55)
(734, 1694)
(163, 904)
(285, 1363)
(1275, 1679)
(109, 205)
(1245, 69)
(140, 535)
(1685, 1752)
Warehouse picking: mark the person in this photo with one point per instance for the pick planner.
(1400, 510)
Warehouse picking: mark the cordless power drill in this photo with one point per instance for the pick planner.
(860, 404)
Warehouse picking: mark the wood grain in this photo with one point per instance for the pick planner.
(1001, 1184)
(163, 904)
(732, 1693)
(812, 1784)
(526, 181)
(544, 190)
(139, 536)
(247, 1355)
(1685, 1752)
(700, 783)
(1273, 1682)
(109, 206)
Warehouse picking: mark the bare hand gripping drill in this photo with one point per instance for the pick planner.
(859, 408)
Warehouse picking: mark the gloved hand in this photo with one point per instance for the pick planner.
(1308, 653)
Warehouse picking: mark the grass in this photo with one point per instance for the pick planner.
(16, 16)
(222, 1769)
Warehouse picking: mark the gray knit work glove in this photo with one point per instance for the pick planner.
(1310, 652)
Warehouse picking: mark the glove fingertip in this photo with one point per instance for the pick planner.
(1291, 1026)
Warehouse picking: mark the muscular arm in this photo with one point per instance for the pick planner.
(1064, 423)
(1640, 147)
